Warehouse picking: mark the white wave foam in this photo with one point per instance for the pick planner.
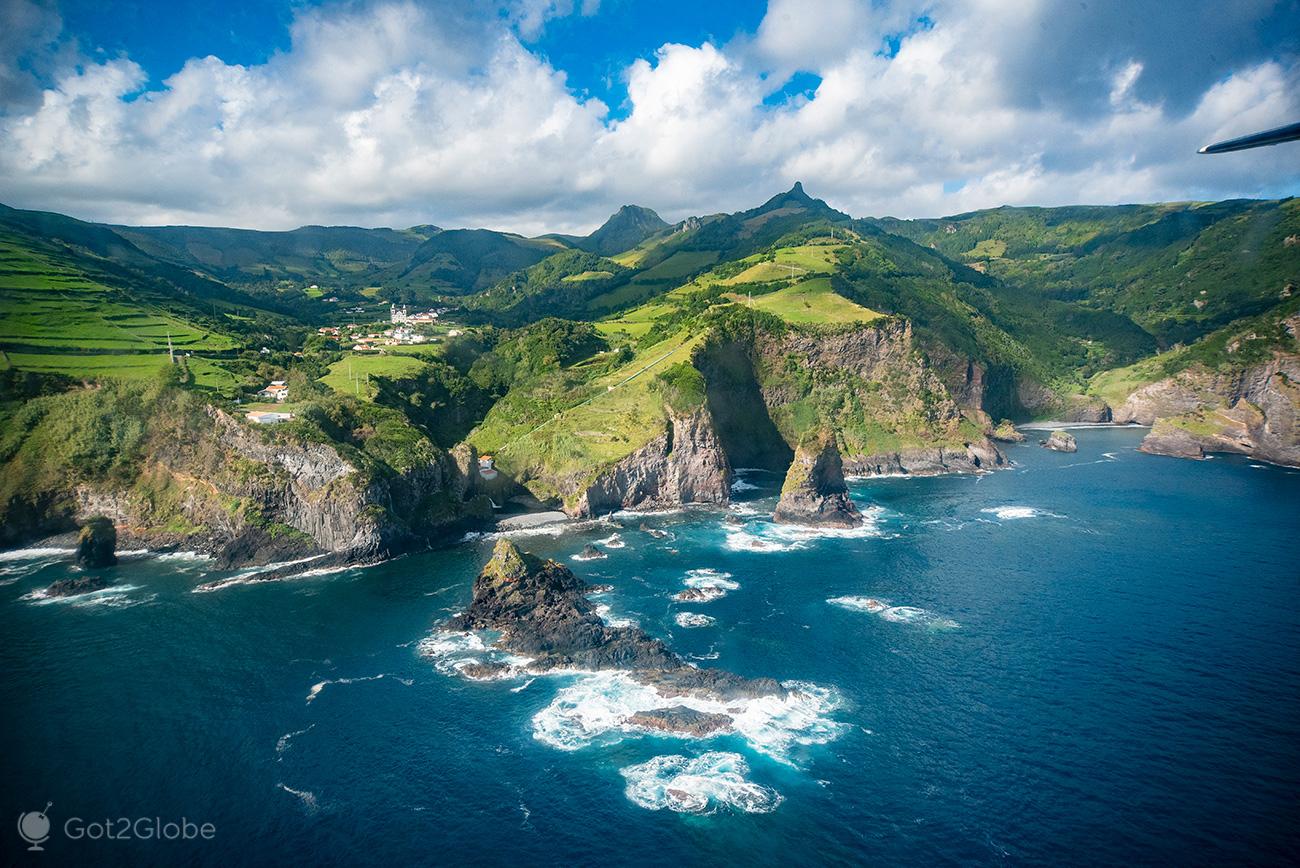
(859, 604)
(603, 611)
(703, 785)
(694, 619)
(1009, 513)
(581, 557)
(321, 685)
(709, 578)
(769, 536)
(920, 617)
(35, 554)
(250, 575)
(112, 597)
(896, 614)
(596, 707)
(613, 541)
(282, 743)
(184, 556)
(307, 797)
(740, 485)
(452, 653)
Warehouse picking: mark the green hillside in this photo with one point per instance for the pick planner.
(1178, 271)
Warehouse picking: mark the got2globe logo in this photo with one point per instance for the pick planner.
(34, 827)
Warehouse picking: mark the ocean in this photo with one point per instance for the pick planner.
(1086, 659)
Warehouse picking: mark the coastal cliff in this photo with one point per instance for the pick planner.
(666, 428)
(194, 476)
(1253, 410)
(685, 464)
(889, 407)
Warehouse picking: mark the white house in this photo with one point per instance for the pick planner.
(278, 392)
(267, 418)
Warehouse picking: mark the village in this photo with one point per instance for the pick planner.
(405, 329)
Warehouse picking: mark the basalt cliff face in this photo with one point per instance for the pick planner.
(891, 410)
(685, 464)
(1252, 410)
(217, 484)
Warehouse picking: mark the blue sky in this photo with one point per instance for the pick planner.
(540, 115)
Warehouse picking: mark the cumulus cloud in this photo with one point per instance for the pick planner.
(394, 113)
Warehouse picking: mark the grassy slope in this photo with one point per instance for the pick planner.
(351, 374)
(1244, 342)
(567, 425)
(813, 302)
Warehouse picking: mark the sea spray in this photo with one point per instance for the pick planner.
(713, 781)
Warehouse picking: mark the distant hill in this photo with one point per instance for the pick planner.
(625, 229)
(1177, 270)
(312, 254)
(460, 261)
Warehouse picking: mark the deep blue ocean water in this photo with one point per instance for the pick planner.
(1106, 669)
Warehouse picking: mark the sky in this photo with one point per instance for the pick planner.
(546, 115)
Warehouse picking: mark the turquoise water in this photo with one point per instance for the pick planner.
(1105, 668)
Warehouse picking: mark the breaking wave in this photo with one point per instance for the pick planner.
(703, 785)
(859, 604)
(613, 541)
(709, 578)
(282, 743)
(35, 554)
(249, 576)
(694, 619)
(603, 610)
(896, 614)
(768, 536)
(112, 597)
(596, 708)
(453, 653)
(921, 617)
(307, 797)
(1009, 513)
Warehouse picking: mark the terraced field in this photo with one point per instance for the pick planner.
(57, 318)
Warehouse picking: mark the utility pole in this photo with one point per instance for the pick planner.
(171, 353)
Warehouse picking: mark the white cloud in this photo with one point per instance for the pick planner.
(392, 114)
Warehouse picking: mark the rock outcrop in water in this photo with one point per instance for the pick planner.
(77, 586)
(814, 492)
(1061, 441)
(1253, 410)
(541, 611)
(97, 543)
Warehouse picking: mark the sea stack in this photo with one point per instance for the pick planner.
(540, 609)
(97, 543)
(1061, 441)
(814, 492)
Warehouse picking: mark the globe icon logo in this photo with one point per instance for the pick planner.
(34, 827)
